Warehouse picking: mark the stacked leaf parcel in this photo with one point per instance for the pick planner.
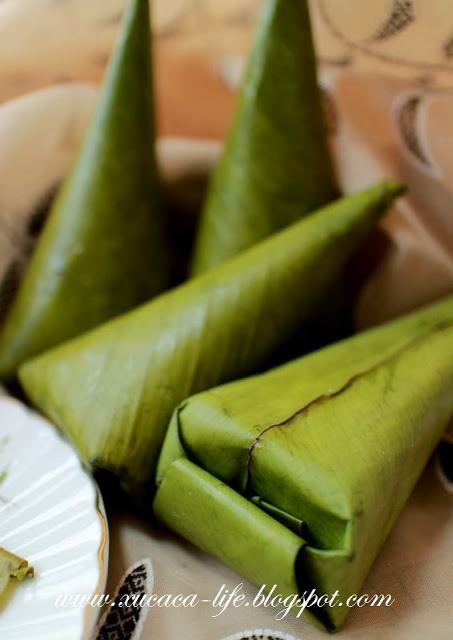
(102, 250)
(295, 477)
(113, 390)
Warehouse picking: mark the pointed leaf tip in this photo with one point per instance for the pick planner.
(394, 189)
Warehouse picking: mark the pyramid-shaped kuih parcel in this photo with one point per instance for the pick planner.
(275, 167)
(295, 477)
(102, 250)
(113, 390)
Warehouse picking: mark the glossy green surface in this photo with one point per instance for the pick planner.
(276, 166)
(336, 439)
(113, 390)
(101, 251)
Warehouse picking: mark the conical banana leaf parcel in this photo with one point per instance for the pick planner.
(276, 167)
(295, 477)
(102, 251)
(113, 390)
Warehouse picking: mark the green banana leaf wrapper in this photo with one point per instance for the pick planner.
(295, 477)
(113, 390)
(12, 567)
(102, 250)
(276, 166)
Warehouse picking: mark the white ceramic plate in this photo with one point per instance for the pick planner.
(51, 513)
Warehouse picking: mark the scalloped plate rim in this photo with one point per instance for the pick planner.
(86, 621)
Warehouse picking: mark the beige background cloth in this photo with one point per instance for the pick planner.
(387, 71)
(415, 566)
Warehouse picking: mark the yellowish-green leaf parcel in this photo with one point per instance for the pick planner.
(12, 567)
(113, 390)
(275, 167)
(102, 250)
(295, 477)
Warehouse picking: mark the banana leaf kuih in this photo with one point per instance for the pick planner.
(295, 477)
(102, 249)
(113, 390)
(276, 167)
(12, 567)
